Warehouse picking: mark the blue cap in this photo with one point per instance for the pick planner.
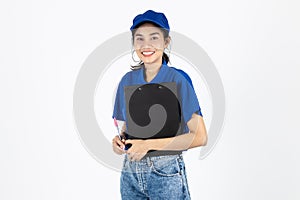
(151, 16)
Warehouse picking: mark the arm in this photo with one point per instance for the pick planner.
(195, 138)
(117, 144)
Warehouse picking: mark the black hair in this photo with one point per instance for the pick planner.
(165, 57)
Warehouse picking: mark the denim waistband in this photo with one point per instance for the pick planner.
(148, 159)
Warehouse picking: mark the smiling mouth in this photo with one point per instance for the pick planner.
(148, 53)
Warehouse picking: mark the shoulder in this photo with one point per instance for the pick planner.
(130, 76)
(181, 75)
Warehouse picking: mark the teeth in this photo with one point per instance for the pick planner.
(148, 53)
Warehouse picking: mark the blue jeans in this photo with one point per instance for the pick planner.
(158, 177)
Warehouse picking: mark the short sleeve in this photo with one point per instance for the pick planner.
(188, 99)
(119, 105)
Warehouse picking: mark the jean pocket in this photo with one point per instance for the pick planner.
(166, 167)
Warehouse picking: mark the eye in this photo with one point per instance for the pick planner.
(154, 38)
(139, 39)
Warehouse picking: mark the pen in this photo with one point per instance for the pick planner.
(127, 146)
(116, 125)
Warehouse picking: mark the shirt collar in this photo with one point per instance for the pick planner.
(156, 79)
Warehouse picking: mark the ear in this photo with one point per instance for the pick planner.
(167, 41)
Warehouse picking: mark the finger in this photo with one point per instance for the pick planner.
(121, 150)
(115, 139)
(117, 146)
(130, 155)
(133, 156)
(118, 150)
(139, 156)
(119, 143)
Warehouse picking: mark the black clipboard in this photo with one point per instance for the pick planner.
(152, 111)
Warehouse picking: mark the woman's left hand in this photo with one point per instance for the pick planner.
(138, 149)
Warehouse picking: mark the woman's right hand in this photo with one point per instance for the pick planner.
(118, 145)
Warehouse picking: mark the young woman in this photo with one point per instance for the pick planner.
(157, 176)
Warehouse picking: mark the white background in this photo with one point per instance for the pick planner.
(255, 46)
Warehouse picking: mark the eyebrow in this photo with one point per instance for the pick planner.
(155, 33)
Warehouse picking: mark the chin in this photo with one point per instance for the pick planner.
(150, 61)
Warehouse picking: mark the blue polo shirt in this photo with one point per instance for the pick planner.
(186, 94)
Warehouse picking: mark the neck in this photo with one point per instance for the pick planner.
(151, 70)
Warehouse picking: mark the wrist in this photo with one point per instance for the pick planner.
(149, 144)
(155, 144)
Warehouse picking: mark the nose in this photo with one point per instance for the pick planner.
(146, 44)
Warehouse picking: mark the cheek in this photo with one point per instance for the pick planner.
(136, 47)
(159, 53)
(138, 52)
(158, 45)
(137, 44)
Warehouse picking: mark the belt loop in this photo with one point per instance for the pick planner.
(180, 157)
(148, 161)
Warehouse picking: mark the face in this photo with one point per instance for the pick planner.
(149, 43)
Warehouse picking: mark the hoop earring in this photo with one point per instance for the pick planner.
(168, 49)
(132, 56)
(168, 52)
